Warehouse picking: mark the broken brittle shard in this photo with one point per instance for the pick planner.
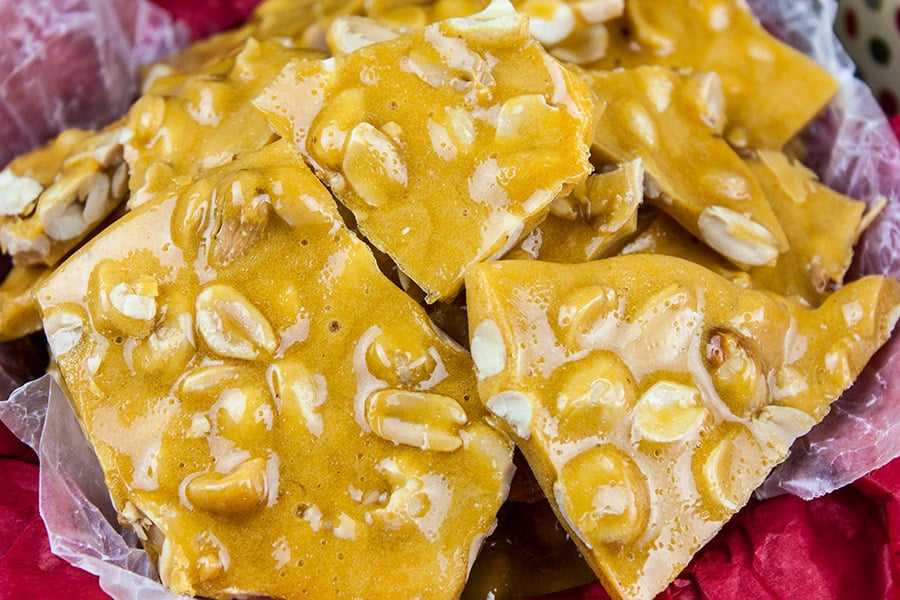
(187, 124)
(771, 90)
(591, 221)
(54, 197)
(431, 136)
(652, 396)
(667, 120)
(821, 226)
(273, 416)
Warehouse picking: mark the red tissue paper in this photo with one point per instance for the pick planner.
(27, 568)
(205, 17)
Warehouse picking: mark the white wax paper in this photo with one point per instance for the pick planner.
(74, 502)
(854, 150)
(851, 146)
(74, 63)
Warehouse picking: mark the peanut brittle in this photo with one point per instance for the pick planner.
(571, 30)
(662, 235)
(52, 198)
(18, 312)
(670, 121)
(418, 13)
(651, 397)
(195, 113)
(821, 226)
(429, 139)
(591, 220)
(771, 90)
(200, 121)
(273, 416)
(297, 24)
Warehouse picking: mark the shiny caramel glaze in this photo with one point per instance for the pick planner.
(591, 221)
(821, 226)
(429, 136)
(672, 123)
(651, 396)
(771, 90)
(273, 416)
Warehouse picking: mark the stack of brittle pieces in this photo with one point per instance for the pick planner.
(335, 267)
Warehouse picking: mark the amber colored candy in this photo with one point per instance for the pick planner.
(18, 312)
(429, 139)
(54, 197)
(821, 226)
(669, 121)
(188, 124)
(273, 416)
(651, 396)
(591, 221)
(771, 90)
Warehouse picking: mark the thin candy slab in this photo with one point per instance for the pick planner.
(447, 143)
(273, 416)
(651, 396)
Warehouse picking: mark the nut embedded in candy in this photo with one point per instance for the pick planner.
(53, 198)
(242, 337)
(717, 198)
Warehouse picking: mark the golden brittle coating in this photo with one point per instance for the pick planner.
(192, 123)
(591, 221)
(53, 198)
(18, 313)
(771, 90)
(274, 417)
(299, 24)
(651, 397)
(429, 137)
(672, 122)
(821, 226)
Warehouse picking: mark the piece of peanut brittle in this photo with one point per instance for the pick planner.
(821, 226)
(771, 90)
(18, 311)
(199, 121)
(447, 143)
(54, 197)
(591, 221)
(285, 423)
(651, 397)
(668, 120)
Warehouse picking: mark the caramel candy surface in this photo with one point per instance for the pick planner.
(651, 397)
(298, 24)
(820, 224)
(187, 124)
(663, 235)
(771, 90)
(273, 416)
(668, 120)
(591, 220)
(18, 312)
(53, 198)
(429, 139)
